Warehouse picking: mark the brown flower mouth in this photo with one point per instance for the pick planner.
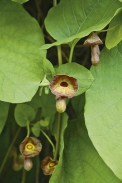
(64, 84)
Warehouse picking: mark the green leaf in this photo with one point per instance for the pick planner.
(83, 75)
(47, 103)
(24, 114)
(36, 129)
(114, 36)
(49, 69)
(46, 121)
(103, 110)
(70, 20)
(4, 107)
(80, 160)
(78, 104)
(21, 61)
(20, 1)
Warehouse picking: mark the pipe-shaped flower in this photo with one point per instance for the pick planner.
(63, 86)
(30, 147)
(48, 165)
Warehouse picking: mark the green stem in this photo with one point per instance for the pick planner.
(54, 2)
(72, 49)
(71, 53)
(49, 140)
(28, 129)
(23, 176)
(37, 169)
(59, 55)
(58, 136)
(9, 149)
(59, 115)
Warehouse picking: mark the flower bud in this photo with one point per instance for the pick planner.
(28, 164)
(61, 104)
(95, 55)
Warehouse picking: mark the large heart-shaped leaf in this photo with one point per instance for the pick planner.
(70, 20)
(103, 110)
(114, 36)
(80, 162)
(21, 61)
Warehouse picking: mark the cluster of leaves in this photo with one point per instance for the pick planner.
(90, 138)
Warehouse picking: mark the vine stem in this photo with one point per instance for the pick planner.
(49, 140)
(58, 136)
(72, 49)
(71, 53)
(59, 55)
(54, 2)
(59, 114)
(23, 176)
(9, 149)
(37, 169)
(28, 129)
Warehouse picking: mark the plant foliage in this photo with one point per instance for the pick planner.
(41, 39)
